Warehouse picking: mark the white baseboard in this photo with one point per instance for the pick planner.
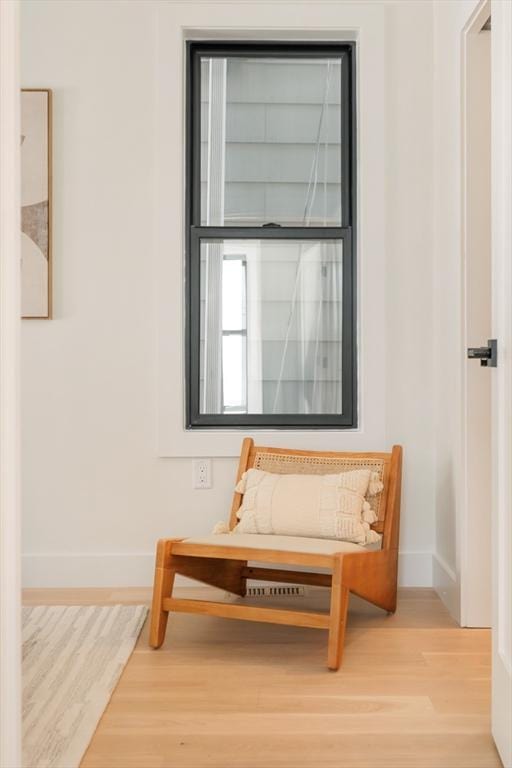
(445, 583)
(136, 570)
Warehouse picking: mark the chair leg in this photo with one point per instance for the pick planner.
(338, 616)
(162, 588)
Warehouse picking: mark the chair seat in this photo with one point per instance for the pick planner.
(282, 543)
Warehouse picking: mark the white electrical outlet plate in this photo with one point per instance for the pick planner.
(202, 473)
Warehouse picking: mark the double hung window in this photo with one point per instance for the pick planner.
(271, 315)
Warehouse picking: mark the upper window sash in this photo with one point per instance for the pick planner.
(237, 155)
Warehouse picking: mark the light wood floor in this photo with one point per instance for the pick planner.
(413, 692)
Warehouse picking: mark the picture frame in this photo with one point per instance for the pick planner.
(36, 203)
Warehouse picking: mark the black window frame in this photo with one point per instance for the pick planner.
(195, 232)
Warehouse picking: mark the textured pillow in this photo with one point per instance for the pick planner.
(316, 506)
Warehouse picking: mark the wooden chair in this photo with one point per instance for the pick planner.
(221, 561)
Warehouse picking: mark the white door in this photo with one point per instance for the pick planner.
(501, 205)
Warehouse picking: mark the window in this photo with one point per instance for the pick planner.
(271, 334)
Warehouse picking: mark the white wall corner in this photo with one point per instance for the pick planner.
(446, 584)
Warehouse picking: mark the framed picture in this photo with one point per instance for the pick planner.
(36, 203)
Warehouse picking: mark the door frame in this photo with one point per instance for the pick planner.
(10, 548)
(473, 25)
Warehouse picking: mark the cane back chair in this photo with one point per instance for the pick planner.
(223, 560)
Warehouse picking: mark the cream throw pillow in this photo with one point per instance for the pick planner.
(316, 506)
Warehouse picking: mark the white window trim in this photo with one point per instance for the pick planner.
(178, 22)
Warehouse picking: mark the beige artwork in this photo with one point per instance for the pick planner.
(35, 203)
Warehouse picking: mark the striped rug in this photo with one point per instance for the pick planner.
(73, 657)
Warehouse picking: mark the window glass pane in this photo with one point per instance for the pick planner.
(287, 356)
(270, 141)
(233, 294)
(233, 371)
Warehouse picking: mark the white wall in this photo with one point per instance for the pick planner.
(96, 495)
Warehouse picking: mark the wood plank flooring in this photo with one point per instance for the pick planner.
(413, 691)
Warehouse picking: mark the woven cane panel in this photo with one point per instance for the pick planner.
(290, 464)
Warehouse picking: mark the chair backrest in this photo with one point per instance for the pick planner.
(290, 461)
